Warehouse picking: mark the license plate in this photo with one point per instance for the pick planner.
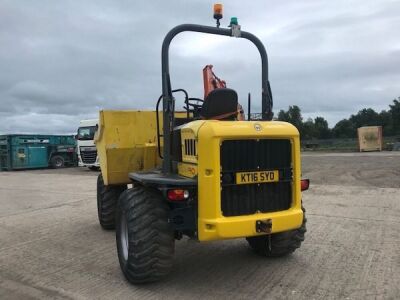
(257, 177)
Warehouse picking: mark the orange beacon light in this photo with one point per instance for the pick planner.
(218, 12)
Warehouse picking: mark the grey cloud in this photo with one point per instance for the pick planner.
(63, 61)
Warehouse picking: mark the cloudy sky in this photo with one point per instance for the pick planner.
(62, 61)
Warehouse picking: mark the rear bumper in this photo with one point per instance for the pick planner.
(245, 226)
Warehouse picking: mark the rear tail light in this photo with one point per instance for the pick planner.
(177, 195)
(305, 184)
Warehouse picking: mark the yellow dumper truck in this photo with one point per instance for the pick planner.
(200, 173)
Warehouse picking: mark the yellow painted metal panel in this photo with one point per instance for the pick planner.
(244, 226)
(187, 138)
(126, 141)
(187, 170)
(212, 225)
(189, 131)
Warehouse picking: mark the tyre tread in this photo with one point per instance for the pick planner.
(151, 238)
(107, 199)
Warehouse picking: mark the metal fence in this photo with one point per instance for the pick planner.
(346, 144)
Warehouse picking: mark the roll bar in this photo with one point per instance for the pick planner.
(167, 98)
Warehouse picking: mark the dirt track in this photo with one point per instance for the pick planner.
(52, 246)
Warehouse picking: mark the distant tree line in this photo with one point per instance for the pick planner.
(347, 128)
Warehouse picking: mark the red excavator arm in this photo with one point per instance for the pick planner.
(211, 82)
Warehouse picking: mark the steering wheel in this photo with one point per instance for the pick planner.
(194, 102)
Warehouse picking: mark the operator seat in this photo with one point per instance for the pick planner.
(220, 104)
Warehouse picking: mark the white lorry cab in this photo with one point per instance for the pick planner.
(87, 152)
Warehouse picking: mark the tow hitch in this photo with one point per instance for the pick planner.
(264, 226)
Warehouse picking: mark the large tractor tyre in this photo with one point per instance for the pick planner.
(145, 239)
(57, 161)
(279, 244)
(107, 199)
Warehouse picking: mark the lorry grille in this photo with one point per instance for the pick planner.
(88, 157)
(255, 155)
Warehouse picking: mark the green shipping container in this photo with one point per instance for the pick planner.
(27, 151)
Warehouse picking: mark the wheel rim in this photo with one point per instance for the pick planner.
(59, 162)
(124, 240)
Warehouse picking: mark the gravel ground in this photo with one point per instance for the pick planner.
(51, 245)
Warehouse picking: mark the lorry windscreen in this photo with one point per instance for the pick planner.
(86, 133)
